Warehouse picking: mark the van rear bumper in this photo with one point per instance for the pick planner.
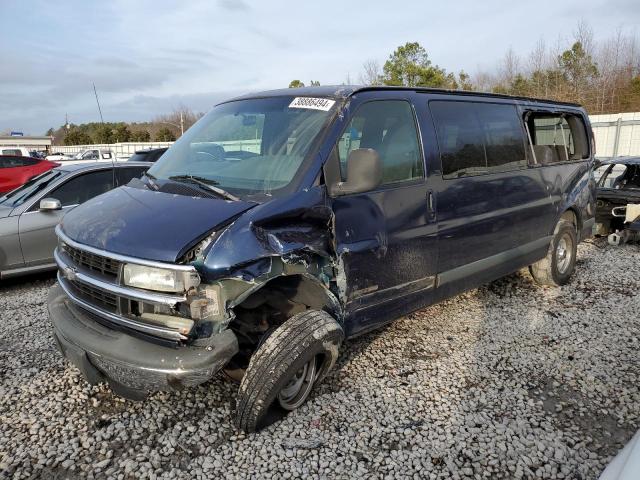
(132, 367)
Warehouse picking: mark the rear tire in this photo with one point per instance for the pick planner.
(557, 267)
(285, 368)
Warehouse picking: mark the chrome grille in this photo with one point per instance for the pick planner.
(96, 296)
(104, 265)
(91, 279)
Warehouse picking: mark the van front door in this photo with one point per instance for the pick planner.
(386, 238)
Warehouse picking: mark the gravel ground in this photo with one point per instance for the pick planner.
(511, 380)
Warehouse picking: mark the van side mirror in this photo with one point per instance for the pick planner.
(49, 204)
(364, 172)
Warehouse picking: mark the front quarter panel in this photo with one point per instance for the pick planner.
(287, 237)
(10, 252)
(300, 222)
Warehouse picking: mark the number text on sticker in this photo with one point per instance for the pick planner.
(311, 102)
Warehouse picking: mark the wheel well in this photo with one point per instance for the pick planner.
(268, 307)
(571, 215)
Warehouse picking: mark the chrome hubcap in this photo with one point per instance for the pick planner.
(296, 391)
(564, 253)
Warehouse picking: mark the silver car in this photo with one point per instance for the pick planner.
(29, 214)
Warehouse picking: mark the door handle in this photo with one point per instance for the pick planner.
(431, 206)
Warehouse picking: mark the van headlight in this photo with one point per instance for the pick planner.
(159, 279)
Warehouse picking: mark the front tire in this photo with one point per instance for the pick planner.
(557, 267)
(285, 368)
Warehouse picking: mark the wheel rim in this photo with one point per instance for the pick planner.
(564, 253)
(296, 391)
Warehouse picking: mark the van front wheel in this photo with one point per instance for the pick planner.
(284, 369)
(557, 267)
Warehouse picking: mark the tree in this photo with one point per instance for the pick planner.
(578, 67)
(141, 136)
(165, 135)
(180, 115)
(520, 85)
(50, 132)
(104, 134)
(314, 83)
(464, 81)
(121, 133)
(410, 66)
(296, 84)
(371, 73)
(77, 137)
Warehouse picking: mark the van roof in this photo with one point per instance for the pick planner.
(345, 91)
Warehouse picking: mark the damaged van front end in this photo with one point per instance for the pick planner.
(144, 325)
(161, 283)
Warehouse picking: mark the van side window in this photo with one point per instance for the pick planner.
(477, 138)
(504, 136)
(387, 126)
(556, 137)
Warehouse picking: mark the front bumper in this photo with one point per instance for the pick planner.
(132, 367)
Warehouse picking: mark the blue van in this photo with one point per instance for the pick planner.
(284, 222)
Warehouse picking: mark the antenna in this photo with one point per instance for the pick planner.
(112, 152)
(98, 102)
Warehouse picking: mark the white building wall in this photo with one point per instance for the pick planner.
(616, 134)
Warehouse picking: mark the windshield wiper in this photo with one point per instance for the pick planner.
(205, 183)
(151, 179)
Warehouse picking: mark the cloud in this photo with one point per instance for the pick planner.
(234, 5)
(146, 57)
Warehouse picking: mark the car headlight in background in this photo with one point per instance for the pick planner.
(159, 279)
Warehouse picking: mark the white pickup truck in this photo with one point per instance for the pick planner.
(92, 155)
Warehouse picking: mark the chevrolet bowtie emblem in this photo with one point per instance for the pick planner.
(69, 273)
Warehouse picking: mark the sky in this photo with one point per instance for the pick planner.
(147, 58)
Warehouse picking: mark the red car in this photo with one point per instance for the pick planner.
(15, 170)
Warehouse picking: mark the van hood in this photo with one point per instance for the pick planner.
(147, 224)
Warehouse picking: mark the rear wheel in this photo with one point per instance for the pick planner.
(557, 267)
(285, 368)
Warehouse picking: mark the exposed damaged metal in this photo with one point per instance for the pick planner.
(618, 205)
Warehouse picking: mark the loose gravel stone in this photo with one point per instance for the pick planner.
(511, 380)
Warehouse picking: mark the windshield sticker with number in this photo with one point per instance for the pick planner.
(313, 103)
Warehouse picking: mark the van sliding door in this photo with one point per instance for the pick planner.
(491, 206)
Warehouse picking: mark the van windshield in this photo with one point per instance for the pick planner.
(248, 147)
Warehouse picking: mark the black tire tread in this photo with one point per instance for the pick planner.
(543, 270)
(275, 357)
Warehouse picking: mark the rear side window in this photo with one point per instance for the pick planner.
(478, 138)
(91, 155)
(153, 156)
(389, 127)
(125, 175)
(556, 137)
(83, 187)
